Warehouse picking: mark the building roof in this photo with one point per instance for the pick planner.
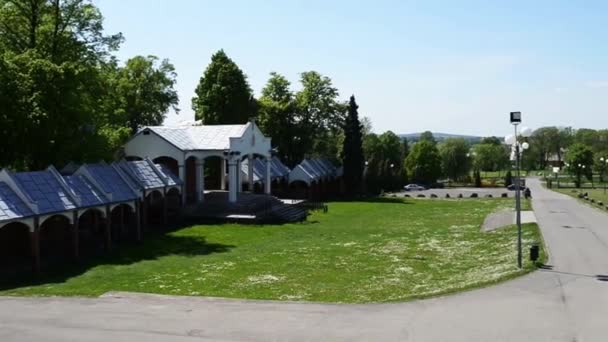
(111, 182)
(28, 194)
(142, 171)
(171, 178)
(45, 190)
(277, 169)
(211, 137)
(11, 206)
(310, 170)
(89, 195)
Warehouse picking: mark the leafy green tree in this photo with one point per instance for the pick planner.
(405, 148)
(508, 178)
(454, 158)
(428, 136)
(59, 30)
(580, 161)
(319, 116)
(489, 157)
(277, 116)
(223, 95)
(144, 92)
(477, 176)
(424, 163)
(491, 141)
(353, 159)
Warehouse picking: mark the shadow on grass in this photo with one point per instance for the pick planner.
(155, 246)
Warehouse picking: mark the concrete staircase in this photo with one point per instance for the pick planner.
(250, 208)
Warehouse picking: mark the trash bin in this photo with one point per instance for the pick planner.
(534, 252)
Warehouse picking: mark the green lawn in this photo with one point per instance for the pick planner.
(596, 194)
(358, 252)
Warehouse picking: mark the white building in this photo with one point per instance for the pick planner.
(179, 146)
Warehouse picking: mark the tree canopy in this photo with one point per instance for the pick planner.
(223, 95)
(455, 161)
(61, 84)
(423, 164)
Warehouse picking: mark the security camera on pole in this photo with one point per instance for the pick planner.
(515, 155)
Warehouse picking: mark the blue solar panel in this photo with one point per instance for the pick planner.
(145, 175)
(111, 182)
(89, 195)
(172, 178)
(45, 190)
(11, 206)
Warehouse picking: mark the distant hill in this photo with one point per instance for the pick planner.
(413, 137)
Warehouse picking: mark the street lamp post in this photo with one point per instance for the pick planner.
(525, 132)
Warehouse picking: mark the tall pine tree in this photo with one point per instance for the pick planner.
(352, 153)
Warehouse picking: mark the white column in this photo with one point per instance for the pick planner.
(239, 176)
(182, 176)
(200, 180)
(223, 174)
(250, 162)
(267, 183)
(232, 181)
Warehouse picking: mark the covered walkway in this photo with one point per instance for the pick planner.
(46, 213)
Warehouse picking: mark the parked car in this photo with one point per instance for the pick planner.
(512, 187)
(414, 187)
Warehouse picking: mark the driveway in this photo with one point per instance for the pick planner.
(568, 303)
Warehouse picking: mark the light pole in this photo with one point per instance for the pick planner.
(514, 141)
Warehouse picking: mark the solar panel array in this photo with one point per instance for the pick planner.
(52, 193)
(45, 190)
(313, 170)
(277, 169)
(87, 192)
(144, 173)
(11, 206)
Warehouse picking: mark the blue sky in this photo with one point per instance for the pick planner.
(445, 66)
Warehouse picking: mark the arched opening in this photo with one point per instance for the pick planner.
(213, 173)
(56, 239)
(191, 180)
(173, 203)
(299, 190)
(91, 232)
(124, 224)
(259, 169)
(168, 162)
(15, 249)
(154, 208)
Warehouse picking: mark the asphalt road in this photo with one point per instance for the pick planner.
(568, 303)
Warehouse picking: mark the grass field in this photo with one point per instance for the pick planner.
(359, 252)
(596, 194)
